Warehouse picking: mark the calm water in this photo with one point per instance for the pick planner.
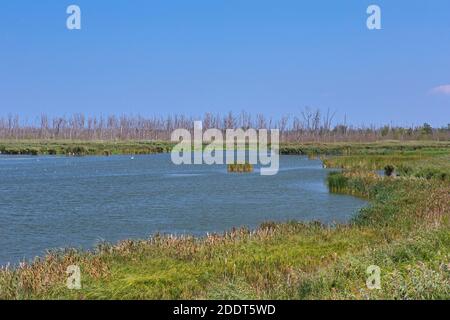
(53, 202)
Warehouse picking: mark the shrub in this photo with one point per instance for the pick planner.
(389, 170)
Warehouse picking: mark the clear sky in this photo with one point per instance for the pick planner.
(274, 57)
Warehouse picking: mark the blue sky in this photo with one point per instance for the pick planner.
(263, 56)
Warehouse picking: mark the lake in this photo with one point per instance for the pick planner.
(53, 202)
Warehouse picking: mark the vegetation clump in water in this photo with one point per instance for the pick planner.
(240, 167)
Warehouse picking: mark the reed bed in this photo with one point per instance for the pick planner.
(240, 167)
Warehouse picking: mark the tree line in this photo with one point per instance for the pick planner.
(310, 125)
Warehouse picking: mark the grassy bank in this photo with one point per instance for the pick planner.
(75, 147)
(405, 231)
(81, 148)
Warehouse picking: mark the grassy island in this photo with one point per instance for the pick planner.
(240, 167)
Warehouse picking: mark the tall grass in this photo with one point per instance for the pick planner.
(385, 152)
(240, 167)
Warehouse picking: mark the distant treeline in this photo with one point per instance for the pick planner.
(309, 126)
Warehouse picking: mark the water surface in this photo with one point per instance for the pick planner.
(54, 202)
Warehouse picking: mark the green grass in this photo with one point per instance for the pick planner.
(404, 230)
(81, 148)
(416, 149)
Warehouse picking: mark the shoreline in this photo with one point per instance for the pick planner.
(330, 219)
(404, 230)
(132, 147)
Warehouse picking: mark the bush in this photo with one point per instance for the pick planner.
(389, 170)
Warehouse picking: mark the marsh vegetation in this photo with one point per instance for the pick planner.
(240, 167)
(405, 231)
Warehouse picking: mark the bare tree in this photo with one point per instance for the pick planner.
(308, 125)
